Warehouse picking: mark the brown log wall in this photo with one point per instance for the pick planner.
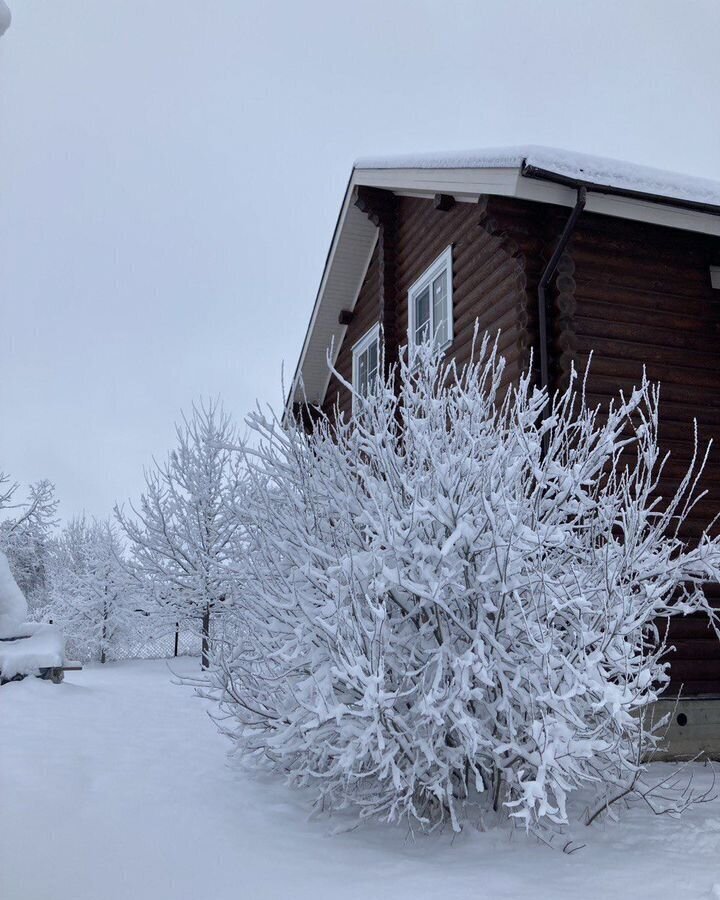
(490, 284)
(631, 293)
(643, 298)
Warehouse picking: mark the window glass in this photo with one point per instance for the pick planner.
(430, 304)
(439, 317)
(366, 362)
(362, 374)
(422, 316)
(372, 367)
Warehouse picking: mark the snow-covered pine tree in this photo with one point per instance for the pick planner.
(451, 600)
(184, 531)
(91, 598)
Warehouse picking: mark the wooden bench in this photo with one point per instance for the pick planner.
(57, 673)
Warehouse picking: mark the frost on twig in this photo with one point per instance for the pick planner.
(667, 796)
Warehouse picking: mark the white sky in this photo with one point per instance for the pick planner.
(171, 171)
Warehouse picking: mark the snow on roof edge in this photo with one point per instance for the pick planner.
(598, 170)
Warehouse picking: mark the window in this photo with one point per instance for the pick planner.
(430, 304)
(366, 362)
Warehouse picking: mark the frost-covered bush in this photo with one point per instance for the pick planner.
(451, 601)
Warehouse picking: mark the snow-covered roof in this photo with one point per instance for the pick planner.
(5, 17)
(594, 170)
(540, 174)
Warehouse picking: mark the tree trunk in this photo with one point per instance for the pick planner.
(177, 638)
(205, 662)
(103, 639)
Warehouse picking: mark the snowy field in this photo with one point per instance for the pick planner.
(115, 784)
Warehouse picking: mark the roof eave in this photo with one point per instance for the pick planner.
(524, 181)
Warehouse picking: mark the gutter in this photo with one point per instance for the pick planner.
(530, 171)
(582, 187)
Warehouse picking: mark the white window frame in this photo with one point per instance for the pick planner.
(442, 263)
(370, 337)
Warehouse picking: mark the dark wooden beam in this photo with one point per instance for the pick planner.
(345, 316)
(444, 202)
(306, 416)
(371, 201)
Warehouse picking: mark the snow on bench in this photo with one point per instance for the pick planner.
(26, 648)
(37, 649)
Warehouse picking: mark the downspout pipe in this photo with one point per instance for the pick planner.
(546, 278)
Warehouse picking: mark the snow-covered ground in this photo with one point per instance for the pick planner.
(115, 784)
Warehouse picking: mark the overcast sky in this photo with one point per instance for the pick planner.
(171, 171)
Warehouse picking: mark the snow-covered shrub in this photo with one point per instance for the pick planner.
(451, 601)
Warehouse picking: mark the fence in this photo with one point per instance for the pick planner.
(150, 639)
(160, 645)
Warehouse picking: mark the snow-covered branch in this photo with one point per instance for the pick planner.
(453, 600)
